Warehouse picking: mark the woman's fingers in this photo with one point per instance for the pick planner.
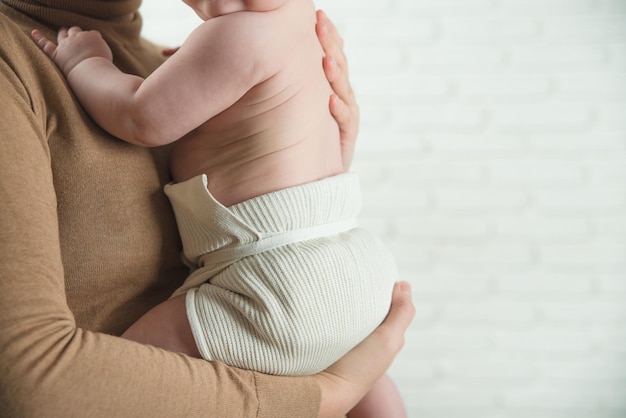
(400, 316)
(334, 63)
(331, 41)
(168, 52)
(342, 104)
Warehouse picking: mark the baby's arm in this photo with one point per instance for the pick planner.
(87, 62)
(201, 80)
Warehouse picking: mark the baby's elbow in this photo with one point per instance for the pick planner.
(145, 133)
(144, 123)
(144, 139)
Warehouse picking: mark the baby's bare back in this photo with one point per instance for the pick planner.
(279, 134)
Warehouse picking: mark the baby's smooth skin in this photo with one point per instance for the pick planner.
(244, 98)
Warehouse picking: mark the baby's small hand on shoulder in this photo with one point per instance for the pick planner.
(74, 46)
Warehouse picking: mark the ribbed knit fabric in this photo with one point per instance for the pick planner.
(315, 286)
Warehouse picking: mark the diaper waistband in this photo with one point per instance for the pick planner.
(306, 211)
(280, 239)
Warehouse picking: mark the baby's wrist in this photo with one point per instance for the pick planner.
(82, 65)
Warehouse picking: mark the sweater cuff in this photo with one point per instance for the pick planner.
(287, 397)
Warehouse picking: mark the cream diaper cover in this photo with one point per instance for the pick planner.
(284, 283)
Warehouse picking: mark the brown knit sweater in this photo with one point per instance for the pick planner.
(89, 244)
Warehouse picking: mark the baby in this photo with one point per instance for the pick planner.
(283, 280)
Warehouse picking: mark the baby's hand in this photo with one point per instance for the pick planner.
(74, 46)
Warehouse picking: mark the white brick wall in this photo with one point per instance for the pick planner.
(493, 159)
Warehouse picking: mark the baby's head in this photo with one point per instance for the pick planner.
(208, 9)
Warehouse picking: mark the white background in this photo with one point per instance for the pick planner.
(493, 159)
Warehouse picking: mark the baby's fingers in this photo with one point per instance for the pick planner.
(73, 30)
(44, 43)
(62, 34)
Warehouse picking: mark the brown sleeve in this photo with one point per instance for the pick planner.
(49, 366)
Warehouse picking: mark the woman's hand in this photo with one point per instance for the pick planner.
(168, 52)
(344, 383)
(343, 105)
